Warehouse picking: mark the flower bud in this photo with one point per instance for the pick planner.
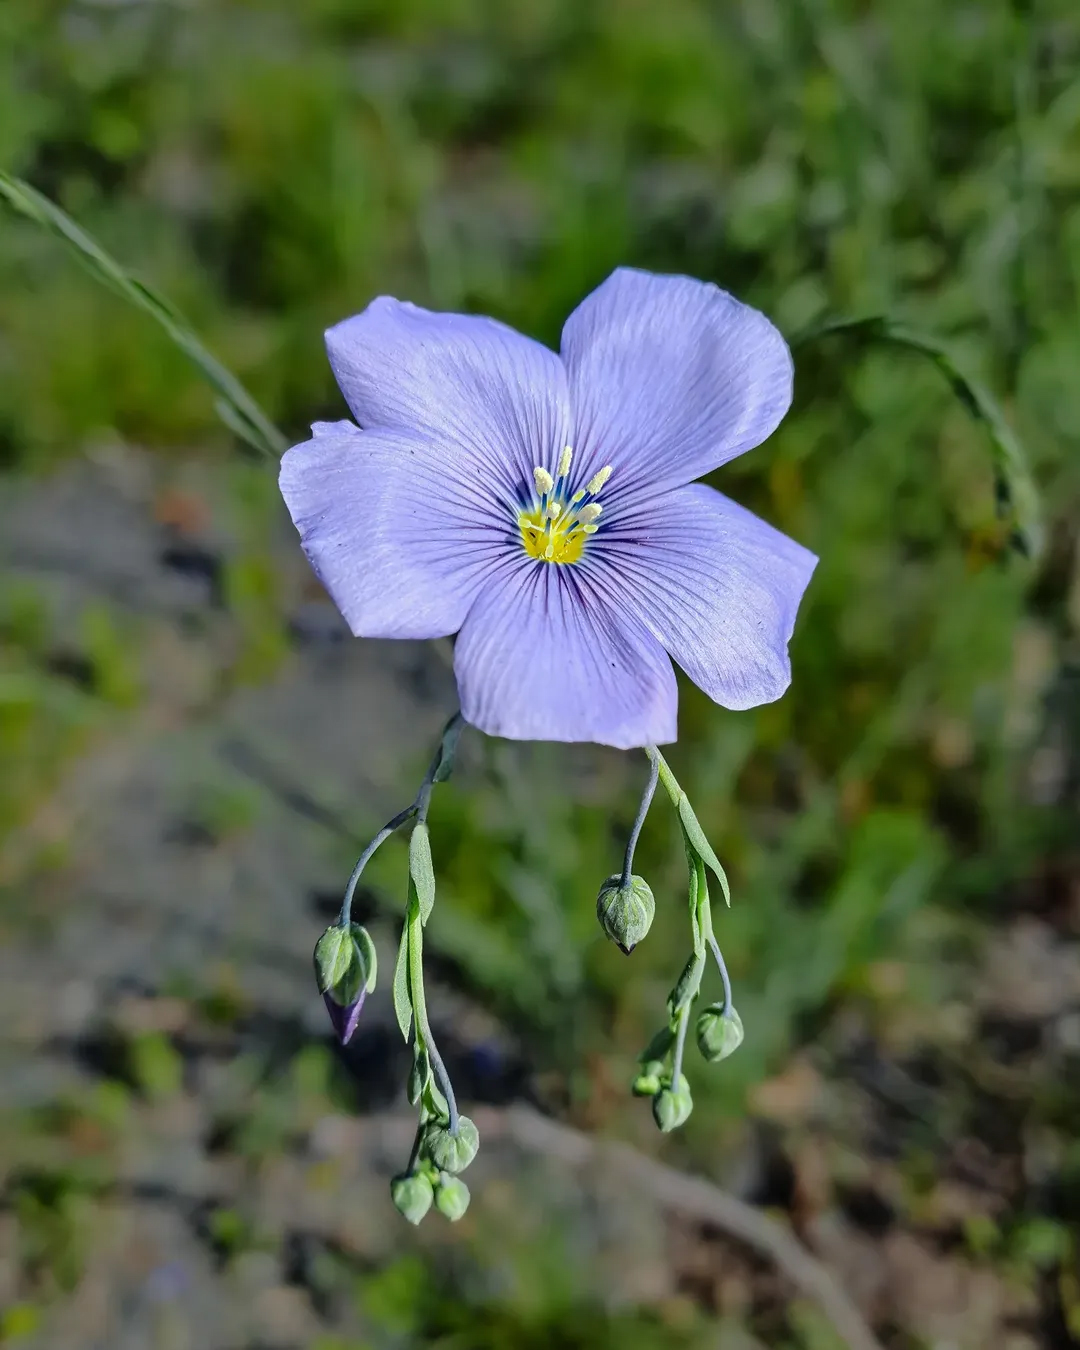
(719, 1033)
(451, 1197)
(344, 1020)
(672, 1106)
(453, 1152)
(647, 1083)
(345, 969)
(345, 963)
(412, 1196)
(625, 912)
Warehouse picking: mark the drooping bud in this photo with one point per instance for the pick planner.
(625, 912)
(412, 1196)
(344, 1020)
(345, 970)
(672, 1106)
(451, 1197)
(453, 1152)
(719, 1033)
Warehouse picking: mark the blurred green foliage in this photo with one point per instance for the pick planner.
(271, 166)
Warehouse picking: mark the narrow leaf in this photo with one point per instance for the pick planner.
(697, 840)
(421, 869)
(448, 749)
(402, 1001)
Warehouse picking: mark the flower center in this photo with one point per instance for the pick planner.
(555, 527)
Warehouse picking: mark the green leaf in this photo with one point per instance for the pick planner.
(694, 880)
(448, 749)
(688, 985)
(421, 869)
(402, 1001)
(695, 837)
(368, 955)
(419, 1074)
(235, 406)
(659, 1046)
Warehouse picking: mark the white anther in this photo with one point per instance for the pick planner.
(553, 509)
(564, 461)
(589, 513)
(597, 481)
(543, 480)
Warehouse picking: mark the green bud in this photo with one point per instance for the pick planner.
(412, 1196)
(647, 1083)
(625, 912)
(719, 1034)
(672, 1106)
(451, 1197)
(452, 1152)
(345, 963)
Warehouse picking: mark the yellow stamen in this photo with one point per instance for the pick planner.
(556, 527)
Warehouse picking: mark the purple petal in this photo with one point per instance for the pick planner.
(397, 530)
(344, 1019)
(461, 380)
(717, 586)
(543, 657)
(669, 378)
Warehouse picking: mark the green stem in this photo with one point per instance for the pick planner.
(663, 769)
(719, 955)
(680, 1045)
(643, 811)
(424, 1034)
(438, 770)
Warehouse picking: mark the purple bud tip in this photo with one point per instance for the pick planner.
(344, 1020)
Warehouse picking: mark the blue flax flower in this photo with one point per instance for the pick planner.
(543, 507)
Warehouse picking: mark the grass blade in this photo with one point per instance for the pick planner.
(234, 404)
(1015, 491)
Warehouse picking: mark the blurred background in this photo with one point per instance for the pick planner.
(192, 749)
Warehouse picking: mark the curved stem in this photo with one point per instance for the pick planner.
(663, 768)
(643, 811)
(723, 971)
(443, 1078)
(439, 768)
(365, 857)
